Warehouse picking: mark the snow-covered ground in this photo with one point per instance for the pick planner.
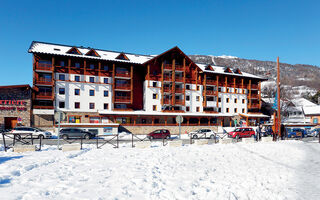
(276, 170)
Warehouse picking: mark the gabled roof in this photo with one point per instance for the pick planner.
(74, 50)
(122, 56)
(92, 52)
(228, 70)
(237, 71)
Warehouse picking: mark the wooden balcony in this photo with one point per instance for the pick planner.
(179, 102)
(168, 66)
(167, 89)
(123, 87)
(179, 78)
(179, 90)
(42, 107)
(166, 101)
(254, 87)
(211, 82)
(122, 99)
(179, 67)
(44, 95)
(254, 106)
(44, 81)
(125, 74)
(254, 96)
(211, 92)
(167, 78)
(44, 67)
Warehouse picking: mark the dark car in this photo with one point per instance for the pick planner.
(296, 132)
(159, 134)
(67, 133)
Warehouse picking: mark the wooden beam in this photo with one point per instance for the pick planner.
(259, 94)
(173, 82)
(99, 69)
(226, 84)
(131, 82)
(204, 93)
(249, 93)
(234, 85)
(148, 75)
(242, 86)
(217, 91)
(184, 81)
(162, 83)
(113, 83)
(69, 64)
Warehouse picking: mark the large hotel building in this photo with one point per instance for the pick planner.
(139, 92)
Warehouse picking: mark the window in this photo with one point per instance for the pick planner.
(61, 104)
(236, 91)
(235, 110)
(105, 106)
(105, 93)
(91, 66)
(198, 98)
(219, 89)
(228, 89)
(77, 65)
(62, 77)
(243, 110)
(243, 101)
(154, 96)
(62, 91)
(219, 109)
(198, 87)
(187, 108)
(188, 98)
(91, 92)
(106, 68)
(62, 63)
(198, 109)
(91, 105)
(235, 100)
(77, 92)
(154, 108)
(77, 105)
(105, 80)
(227, 100)
(74, 119)
(154, 84)
(91, 79)
(227, 110)
(77, 78)
(188, 87)
(219, 99)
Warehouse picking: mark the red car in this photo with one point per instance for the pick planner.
(159, 134)
(242, 133)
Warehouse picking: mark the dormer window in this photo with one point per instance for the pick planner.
(228, 70)
(122, 56)
(92, 52)
(74, 50)
(209, 67)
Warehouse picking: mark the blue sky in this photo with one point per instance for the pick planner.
(253, 29)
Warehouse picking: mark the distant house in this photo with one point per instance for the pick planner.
(301, 110)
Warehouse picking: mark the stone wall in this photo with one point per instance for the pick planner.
(174, 130)
(23, 111)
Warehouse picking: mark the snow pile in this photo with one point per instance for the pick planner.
(282, 170)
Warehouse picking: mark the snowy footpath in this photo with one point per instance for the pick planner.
(281, 170)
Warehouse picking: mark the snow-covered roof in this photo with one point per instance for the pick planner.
(221, 70)
(311, 110)
(56, 49)
(302, 102)
(254, 115)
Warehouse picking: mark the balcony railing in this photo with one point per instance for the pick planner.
(211, 82)
(168, 66)
(44, 81)
(167, 78)
(211, 92)
(42, 107)
(179, 67)
(123, 74)
(123, 86)
(179, 102)
(179, 78)
(44, 66)
(167, 89)
(254, 96)
(254, 87)
(178, 90)
(253, 106)
(167, 101)
(122, 99)
(44, 95)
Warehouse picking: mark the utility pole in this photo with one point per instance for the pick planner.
(278, 92)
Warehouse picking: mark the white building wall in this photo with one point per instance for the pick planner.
(148, 92)
(231, 104)
(193, 93)
(84, 98)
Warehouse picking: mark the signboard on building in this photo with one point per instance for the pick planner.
(107, 131)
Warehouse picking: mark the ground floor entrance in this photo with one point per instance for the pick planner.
(10, 122)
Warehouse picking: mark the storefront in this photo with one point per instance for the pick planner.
(15, 106)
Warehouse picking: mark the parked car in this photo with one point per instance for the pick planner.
(314, 133)
(67, 133)
(242, 132)
(34, 131)
(204, 133)
(296, 132)
(159, 134)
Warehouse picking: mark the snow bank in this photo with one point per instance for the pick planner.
(281, 170)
